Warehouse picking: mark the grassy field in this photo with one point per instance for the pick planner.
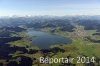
(78, 48)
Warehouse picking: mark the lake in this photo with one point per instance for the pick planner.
(44, 40)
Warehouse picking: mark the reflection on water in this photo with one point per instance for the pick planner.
(44, 40)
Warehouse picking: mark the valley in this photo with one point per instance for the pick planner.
(23, 40)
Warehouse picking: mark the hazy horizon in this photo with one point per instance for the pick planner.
(49, 7)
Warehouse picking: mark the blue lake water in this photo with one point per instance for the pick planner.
(45, 40)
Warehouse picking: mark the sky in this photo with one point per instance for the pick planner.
(49, 7)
